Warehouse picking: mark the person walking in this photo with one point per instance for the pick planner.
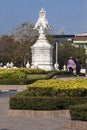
(78, 66)
(71, 64)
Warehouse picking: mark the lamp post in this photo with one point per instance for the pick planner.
(56, 65)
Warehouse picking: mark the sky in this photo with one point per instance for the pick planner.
(70, 15)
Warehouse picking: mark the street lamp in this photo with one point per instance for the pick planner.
(56, 65)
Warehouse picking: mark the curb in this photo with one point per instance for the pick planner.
(75, 125)
(10, 90)
(64, 114)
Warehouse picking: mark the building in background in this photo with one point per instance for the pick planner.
(80, 40)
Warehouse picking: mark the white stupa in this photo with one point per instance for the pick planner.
(42, 50)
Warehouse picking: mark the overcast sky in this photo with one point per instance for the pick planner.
(71, 15)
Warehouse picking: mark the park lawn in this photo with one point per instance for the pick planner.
(36, 76)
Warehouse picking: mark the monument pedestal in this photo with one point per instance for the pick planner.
(42, 53)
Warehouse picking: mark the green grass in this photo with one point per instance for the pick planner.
(36, 76)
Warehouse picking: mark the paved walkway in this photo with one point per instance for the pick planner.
(12, 87)
(19, 123)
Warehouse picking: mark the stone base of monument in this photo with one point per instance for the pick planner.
(43, 67)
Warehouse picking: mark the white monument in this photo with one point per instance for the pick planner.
(42, 50)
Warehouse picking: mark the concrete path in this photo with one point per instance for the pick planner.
(12, 87)
(18, 123)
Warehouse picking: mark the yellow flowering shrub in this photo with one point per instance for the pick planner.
(59, 87)
(32, 70)
(12, 76)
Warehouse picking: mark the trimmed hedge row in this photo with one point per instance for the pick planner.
(58, 88)
(54, 95)
(79, 112)
(32, 70)
(7, 76)
(19, 75)
(43, 103)
(60, 73)
(12, 76)
(57, 73)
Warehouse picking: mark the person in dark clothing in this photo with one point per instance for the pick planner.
(78, 66)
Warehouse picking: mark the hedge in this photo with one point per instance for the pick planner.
(12, 76)
(59, 88)
(23, 75)
(32, 70)
(60, 73)
(79, 112)
(43, 103)
(19, 75)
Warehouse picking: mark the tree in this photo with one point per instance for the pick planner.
(14, 51)
(25, 32)
(6, 48)
(22, 54)
(66, 49)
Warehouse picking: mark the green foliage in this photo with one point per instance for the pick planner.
(59, 88)
(34, 77)
(67, 49)
(12, 76)
(32, 70)
(24, 102)
(33, 74)
(51, 95)
(6, 49)
(21, 75)
(79, 112)
(58, 73)
(25, 32)
(10, 51)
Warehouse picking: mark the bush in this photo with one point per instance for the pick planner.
(58, 73)
(21, 75)
(59, 88)
(12, 76)
(51, 95)
(32, 71)
(43, 103)
(79, 112)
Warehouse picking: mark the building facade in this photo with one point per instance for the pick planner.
(80, 40)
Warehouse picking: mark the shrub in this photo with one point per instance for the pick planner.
(12, 76)
(32, 70)
(79, 112)
(59, 88)
(58, 73)
(51, 95)
(43, 103)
